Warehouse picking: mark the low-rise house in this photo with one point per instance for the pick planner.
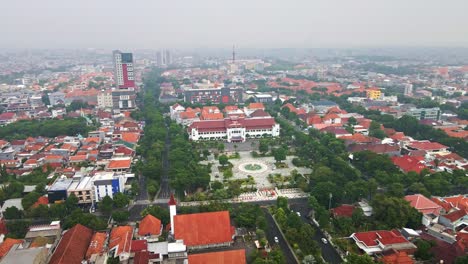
(408, 163)
(96, 250)
(432, 148)
(454, 219)
(73, 246)
(345, 210)
(120, 242)
(376, 242)
(150, 228)
(119, 164)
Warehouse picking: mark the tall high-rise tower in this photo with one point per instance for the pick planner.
(123, 69)
(233, 54)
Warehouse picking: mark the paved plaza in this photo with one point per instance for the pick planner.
(258, 168)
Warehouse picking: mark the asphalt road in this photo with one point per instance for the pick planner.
(165, 189)
(273, 231)
(143, 193)
(328, 252)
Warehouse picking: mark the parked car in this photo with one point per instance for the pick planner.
(298, 213)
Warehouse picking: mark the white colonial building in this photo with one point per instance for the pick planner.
(233, 129)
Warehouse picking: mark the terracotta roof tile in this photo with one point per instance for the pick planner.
(203, 228)
(119, 163)
(96, 245)
(423, 204)
(121, 237)
(73, 246)
(221, 257)
(7, 245)
(149, 225)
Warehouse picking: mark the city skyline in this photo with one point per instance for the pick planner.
(210, 24)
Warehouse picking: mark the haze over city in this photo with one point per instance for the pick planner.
(248, 24)
(234, 132)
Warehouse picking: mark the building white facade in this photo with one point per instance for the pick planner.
(107, 184)
(104, 100)
(233, 129)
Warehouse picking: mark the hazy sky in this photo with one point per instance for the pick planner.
(219, 23)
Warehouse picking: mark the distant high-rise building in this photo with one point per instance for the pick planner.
(123, 69)
(163, 58)
(408, 89)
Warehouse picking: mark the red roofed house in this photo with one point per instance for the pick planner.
(201, 230)
(396, 257)
(375, 242)
(409, 163)
(96, 246)
(41, 200)
(139, 245)
(119, 164)
(430, 147)
(454, 219)
(345, 210)
(120, 242)
(222, 257)
(150, 227)
(423, 204)
(252, 107)
(73, 246)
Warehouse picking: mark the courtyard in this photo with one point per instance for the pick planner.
(258, 168)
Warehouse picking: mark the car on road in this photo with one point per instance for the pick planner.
(324, 240)
(276, 240)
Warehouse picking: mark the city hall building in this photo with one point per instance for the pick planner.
(233, 129)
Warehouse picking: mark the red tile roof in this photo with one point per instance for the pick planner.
(131, 137)
(423, 204)
(256, 106)
(460, 202)
(372, 238)
(409, 163)
(426, 145)
(149, 225)
(73, 246)
(141, 257)
(397, 258)
(344, 210)
(121, 237)
(119, 164)
(41, 200)
(221, 257)
(203, 228)
(96, 245)
(454, 216)
(139, 245)
(7, 245)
